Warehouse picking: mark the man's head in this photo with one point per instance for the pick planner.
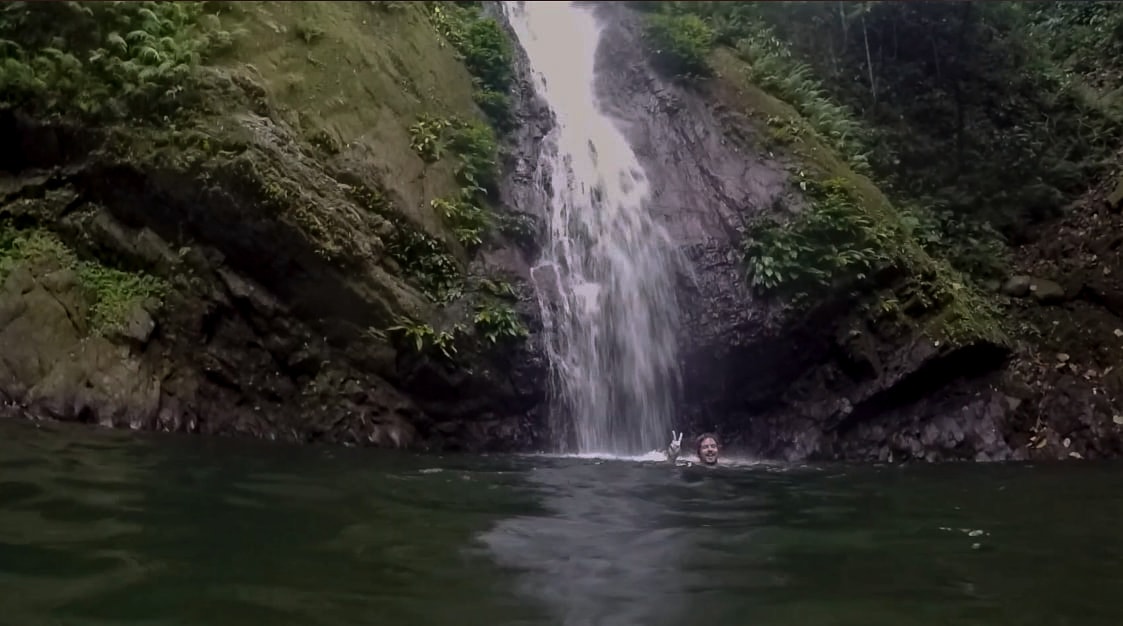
(708, 448)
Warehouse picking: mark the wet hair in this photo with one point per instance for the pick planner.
(703, 437)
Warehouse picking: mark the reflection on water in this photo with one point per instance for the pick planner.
(100, 528)
(605, 551)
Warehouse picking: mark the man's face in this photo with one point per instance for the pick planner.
(707, 451)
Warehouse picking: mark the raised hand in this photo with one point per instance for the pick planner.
(676, 444)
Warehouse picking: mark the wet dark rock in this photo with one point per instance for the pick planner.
(1046, 291)
(1017, 286)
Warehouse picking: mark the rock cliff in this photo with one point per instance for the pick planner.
(870, 371)
(312, 244)
(270, 259)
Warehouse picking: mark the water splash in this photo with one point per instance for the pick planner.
(605, 280)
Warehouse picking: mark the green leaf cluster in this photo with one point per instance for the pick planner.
(425, 259)
(423, 338)
(483, 46)
(679, 44)
(104, 60)
(495, 319)
(497, 322)
(474, 146)
(421, 257)
(834, 240)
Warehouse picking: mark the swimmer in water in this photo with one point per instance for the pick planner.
(707, 448)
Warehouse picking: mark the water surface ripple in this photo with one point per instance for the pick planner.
(102, 528)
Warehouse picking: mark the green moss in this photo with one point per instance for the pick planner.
(112, 293)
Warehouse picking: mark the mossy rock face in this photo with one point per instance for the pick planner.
(357, 86)
(950, 308)
(247, 256)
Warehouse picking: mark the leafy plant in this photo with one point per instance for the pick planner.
(773, 69)
(104, 60)
(425, 260)
(472, 143)
(465, 217)
(423, 337)
(519, 228)
(835, 239)
(482, 45)
(497, 288)
(496, 322)
(427, 137)
(475, 148)
(497, 106)
(679, 44)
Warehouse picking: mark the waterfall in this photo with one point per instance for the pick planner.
(605, 278)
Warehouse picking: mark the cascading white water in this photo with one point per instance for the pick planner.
(605, 279)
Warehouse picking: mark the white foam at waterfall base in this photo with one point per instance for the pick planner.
(608, 300)
(659, 457)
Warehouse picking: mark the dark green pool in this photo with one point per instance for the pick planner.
(100, 528)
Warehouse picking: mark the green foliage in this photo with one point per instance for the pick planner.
(496, 288)
(424, 259)
(104, 60)
(834, 240)
(423, 338)
(970, 245)
(478, 153)
(496, 322)
(497, 106)
(679, 44)
(485, 50)
(421, 257)
(971, 105)
(477, 170)
(520, 228)
(989, 116)
(113, 293)
(116, 293)
(472, 143)
(427, 137)
(774, 70)
(466, 218)
(1082, 37)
